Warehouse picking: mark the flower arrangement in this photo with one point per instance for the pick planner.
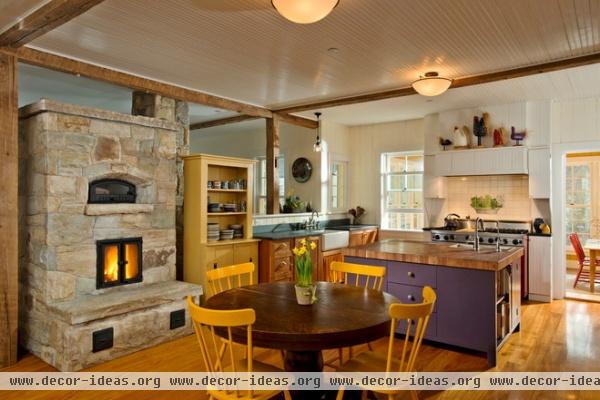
(293, 203)
(486, 204)
(305, 290)
(304, 262)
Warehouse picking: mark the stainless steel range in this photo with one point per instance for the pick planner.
(509, 233)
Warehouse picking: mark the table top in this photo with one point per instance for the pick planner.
(437, 253)
(592, 244)
(342, 316)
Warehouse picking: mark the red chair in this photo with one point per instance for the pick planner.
(583, 275)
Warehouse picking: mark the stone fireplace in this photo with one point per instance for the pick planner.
(97, 258)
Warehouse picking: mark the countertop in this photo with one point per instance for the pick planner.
(288, 234)
(436, 254)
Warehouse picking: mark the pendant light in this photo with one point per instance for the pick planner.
(317, 145)
(304, 11)
(431, 84)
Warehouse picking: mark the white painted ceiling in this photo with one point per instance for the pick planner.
(242, 49)
(36, 83)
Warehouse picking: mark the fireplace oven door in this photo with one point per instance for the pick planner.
(119, 262)
(111, 191)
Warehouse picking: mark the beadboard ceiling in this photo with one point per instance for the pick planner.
(242, 49)
(11, 11)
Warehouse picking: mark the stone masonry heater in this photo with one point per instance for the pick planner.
(97, 258)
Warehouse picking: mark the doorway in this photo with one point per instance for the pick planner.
(581, 223)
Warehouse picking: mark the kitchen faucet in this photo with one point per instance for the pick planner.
(312, 223)
(478, 222)
(497, 236)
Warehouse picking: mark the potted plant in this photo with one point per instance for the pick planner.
(293, 204)
(305, 289)
(486, 204)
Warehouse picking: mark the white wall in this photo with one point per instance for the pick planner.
(367, 143)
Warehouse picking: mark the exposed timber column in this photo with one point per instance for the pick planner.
(157, 106)
(9, 227)
(272, 167)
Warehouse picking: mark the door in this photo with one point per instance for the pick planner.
(246, 252)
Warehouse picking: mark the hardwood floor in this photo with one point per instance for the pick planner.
(561, 336)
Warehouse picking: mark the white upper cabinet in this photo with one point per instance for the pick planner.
(539, 173)
(490, 161)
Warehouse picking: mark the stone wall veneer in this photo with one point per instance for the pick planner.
(63, 148)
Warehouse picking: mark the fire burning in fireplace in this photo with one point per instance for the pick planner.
(119, 262)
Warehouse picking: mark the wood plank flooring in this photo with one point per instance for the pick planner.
(561, 336)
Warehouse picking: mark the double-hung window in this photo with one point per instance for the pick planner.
(261, 183)
(402, 191)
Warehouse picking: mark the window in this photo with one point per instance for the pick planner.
(402, 191)
(337, 185)
(583, 196)
(261, 183)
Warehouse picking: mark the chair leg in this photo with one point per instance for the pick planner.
(577, 276)
(370, 346)
(286, 395)
(413, 395)
(364, 395)
(340, 394)
(341, 355)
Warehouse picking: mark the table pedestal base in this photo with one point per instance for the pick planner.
(303, 361)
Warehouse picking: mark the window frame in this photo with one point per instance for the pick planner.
(386, 174)
(259, 177)
(344, 206)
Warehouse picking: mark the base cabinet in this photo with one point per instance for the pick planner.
(365, 236)
(465, 311)
(277, 259)
(328, 258)
(540, 268)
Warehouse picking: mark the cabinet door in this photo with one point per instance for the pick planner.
(539, 173)
(512, 160)
(356, 239)
(515, 294)
(246, 252)
(540, 268)
(463, 162)
(282, 269)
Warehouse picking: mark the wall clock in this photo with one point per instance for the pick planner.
(301, 169)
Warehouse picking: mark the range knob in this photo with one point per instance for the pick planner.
(467, 237)
(490, 240)
(480, 240)
(505, 241)
(515, 241)
(451, 237)
(445, 237)
(436, 237)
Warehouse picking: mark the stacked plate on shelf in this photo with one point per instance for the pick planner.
(213, 232)
(214, 207)
(229, 207)
(226, 234)
(238, 231)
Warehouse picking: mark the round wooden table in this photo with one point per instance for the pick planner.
(343, 316)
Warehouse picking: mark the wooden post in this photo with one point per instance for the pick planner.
(9, 229)
(272, 167)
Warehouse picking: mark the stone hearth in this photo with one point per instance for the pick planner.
(63, 148)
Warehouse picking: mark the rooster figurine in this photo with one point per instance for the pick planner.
(517, 136)
(445, 142)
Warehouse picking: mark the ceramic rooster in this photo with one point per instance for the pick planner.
(445, 143)
(517, 136)
(479, 128)
(498, 138)
(461, 140)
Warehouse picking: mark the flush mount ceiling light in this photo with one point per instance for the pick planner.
(431, 84)
(304, 11)
(317, 145)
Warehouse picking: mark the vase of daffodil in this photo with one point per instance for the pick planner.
(305, 289)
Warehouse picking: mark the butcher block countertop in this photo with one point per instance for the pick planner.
(446, 254)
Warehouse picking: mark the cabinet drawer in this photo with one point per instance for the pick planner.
(411, 274)
(408, 294)
(282, 269)
(430, 331)
(281, 248)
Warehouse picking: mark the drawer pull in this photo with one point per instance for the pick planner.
(250, 259)
(215, 265)
(411, 274)
(411, 297)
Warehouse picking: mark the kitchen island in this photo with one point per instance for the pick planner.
(478, 293)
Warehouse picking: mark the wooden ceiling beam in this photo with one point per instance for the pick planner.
(456, 83)
(223, 121)
(64, 64)
(287, 118)
(51, 15)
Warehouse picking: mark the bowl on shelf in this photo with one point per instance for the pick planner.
(214, 207)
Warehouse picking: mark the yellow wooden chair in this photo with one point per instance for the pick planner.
(368, 276)
(219, 355)
(221, 279)
(417, 317)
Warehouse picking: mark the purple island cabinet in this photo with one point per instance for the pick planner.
(465, 314)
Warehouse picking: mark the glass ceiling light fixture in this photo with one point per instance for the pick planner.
(317, 145)
(431, 84)
(304, 11)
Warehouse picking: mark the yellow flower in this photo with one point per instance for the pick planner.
(303, 242)
(313, 245)
(296, 251)
(302, 251)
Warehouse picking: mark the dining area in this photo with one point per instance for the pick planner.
(342, 317)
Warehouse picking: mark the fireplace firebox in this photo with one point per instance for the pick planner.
(119, 262)
(111, 191)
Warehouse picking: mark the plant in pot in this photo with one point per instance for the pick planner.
(293, 204)
(305, 289)
(486, 204)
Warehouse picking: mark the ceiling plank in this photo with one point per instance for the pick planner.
(51, 15)
(64, 64)
(456, 83)
(223, 121)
